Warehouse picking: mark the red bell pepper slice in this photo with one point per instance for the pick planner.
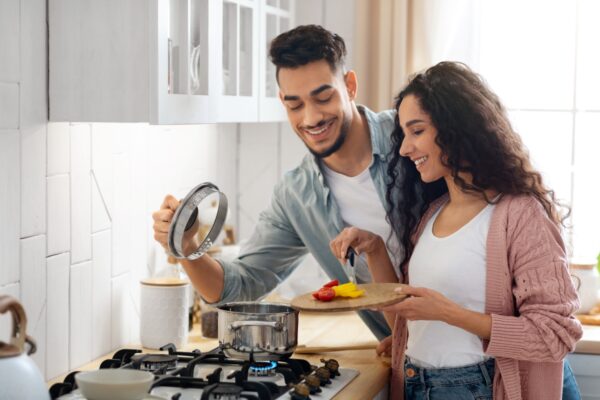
(333, 283)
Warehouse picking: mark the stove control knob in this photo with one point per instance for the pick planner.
(314, 383)
(333, 366)
(323, 374)
(301, 391)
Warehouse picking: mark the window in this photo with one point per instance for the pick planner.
(541, 57)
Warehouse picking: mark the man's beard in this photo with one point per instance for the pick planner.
(338, 142)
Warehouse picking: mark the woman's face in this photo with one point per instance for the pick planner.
(419, 140)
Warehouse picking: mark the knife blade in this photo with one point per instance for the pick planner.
(350, 254)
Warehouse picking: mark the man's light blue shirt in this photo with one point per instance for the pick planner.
(304, 217)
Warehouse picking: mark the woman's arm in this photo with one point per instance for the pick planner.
(372, 246)
(543, 328)
(431, 305)
(377, 257)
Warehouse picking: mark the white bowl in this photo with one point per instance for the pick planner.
(114, 384)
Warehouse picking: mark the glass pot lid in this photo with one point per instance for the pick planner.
(193, 230)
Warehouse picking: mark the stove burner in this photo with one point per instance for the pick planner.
(222, 391)
(262, 368)
(154, 362)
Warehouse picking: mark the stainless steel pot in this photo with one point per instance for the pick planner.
(261, 331)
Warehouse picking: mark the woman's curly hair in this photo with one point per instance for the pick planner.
(475, 137)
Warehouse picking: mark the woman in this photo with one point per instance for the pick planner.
(491, 301)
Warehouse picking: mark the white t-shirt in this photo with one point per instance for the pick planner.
(361, 207)
(454, 266)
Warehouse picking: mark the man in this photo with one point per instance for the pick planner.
(341, 183)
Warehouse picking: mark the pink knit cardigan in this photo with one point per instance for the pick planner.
(530, 297)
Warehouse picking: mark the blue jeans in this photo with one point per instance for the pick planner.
(422, 384)
(570, 388)
(470, 382)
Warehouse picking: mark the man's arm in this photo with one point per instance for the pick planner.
(269, 256)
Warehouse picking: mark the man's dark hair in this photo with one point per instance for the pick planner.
(305, 44)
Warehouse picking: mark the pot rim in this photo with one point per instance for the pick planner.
(290, 310)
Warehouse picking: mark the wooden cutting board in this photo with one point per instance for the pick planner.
(376, 295)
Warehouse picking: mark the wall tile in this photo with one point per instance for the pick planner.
(80, 311)
(9, 105)
(9, 40)
(57, 333)
(121, 216)
(224, 167)
(59, 209)
(5, 319)
(103, 137)
(101, 294)
(141, 222)
(81, 218)
(81, 208)
(33, 292)
(258, 172)
(9, 206)
(121, 311)
(100, 217)
(58, 148)
(33, 172)
(81, 154)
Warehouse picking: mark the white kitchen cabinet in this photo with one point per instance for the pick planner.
(164, 61)
(276, 17)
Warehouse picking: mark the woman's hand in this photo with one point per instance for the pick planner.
(360, 240)
(429, 305)
(422, 304)
(384, 348)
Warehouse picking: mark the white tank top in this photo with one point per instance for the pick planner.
(360, 206)
(454, 266)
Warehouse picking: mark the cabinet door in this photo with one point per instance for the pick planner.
(182, 61)
(237, 58)
(276, 17)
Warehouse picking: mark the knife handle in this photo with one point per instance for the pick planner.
(350, 253)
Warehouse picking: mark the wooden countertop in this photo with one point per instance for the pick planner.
(336, 331)
(316, 331)
(590, 342)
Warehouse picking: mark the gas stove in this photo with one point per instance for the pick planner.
(212, 375)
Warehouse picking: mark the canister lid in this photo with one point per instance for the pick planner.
(582, 263)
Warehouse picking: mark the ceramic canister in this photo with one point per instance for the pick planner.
(164, 312)
(586, 280)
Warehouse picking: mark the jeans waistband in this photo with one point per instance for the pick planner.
(482, 372)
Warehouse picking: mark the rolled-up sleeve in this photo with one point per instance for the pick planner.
(271, 254)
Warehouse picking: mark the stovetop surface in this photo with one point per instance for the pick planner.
(211, 375)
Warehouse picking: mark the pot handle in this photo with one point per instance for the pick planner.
(19, 329)
(278, 326)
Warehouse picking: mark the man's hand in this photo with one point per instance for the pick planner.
(384, 348)
(162, 219)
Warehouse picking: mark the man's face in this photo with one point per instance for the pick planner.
(318, 105)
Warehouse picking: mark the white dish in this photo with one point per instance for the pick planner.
(114, 384)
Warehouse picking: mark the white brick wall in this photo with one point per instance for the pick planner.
(76, 202)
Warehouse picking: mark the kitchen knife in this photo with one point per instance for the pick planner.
(350, 254)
